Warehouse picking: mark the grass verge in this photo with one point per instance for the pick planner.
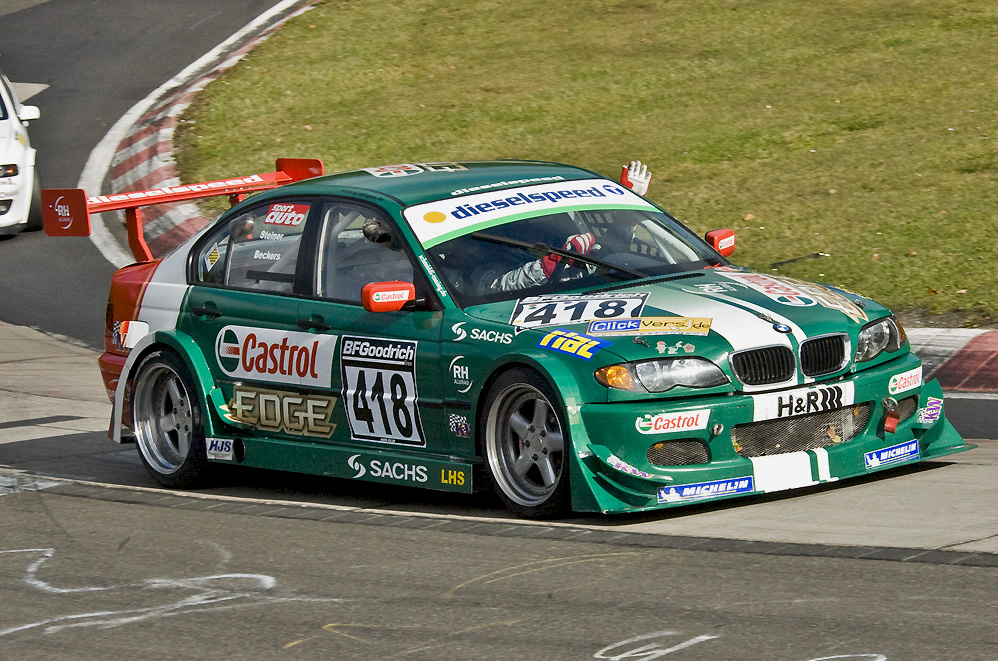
(858, 129)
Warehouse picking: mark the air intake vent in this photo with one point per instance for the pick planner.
(758, 367)
(823, 355)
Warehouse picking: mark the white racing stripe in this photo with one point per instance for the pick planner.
(741, 328)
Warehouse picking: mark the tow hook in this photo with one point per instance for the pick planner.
(891, 415)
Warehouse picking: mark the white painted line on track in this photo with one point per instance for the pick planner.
(99, 162)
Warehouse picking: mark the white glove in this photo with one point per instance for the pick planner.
(636, 177)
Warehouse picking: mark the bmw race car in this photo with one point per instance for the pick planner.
(20, 201)
(533, 325)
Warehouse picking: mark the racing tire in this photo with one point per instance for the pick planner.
(35, 208)
(526, 445)
(167, 422)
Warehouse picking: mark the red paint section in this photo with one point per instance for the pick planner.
(974, 367)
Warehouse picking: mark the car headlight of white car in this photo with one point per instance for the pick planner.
(883, 335)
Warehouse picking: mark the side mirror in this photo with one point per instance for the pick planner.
(723, 241)
(387, 296)
(28, 113)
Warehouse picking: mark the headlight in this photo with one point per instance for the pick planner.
(8, 171)
(661, 375)
(886, 334)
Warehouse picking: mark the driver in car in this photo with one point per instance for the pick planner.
(634, 175)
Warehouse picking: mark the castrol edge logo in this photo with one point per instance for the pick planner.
(290, 215)
(276, 356)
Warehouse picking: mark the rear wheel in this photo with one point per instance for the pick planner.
(167, 422)
(526, 445)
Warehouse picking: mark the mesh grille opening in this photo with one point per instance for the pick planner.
(823, 355)
(806, 432)
(683, 452)
(761, 366)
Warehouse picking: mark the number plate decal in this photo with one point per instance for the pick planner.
(562, 310)
(379, 390)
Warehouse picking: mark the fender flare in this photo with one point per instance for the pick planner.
(210, 397)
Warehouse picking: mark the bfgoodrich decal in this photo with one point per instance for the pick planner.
(379, 390)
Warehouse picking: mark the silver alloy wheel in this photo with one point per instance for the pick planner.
(525, 444)
(164, 417)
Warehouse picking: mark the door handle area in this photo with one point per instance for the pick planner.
(314, 325)
(209, 311)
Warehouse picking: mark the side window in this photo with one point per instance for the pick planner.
(348, 260)
(257, 249)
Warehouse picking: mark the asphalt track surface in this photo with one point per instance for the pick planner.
(95, 562)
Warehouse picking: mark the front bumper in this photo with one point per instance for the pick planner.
(667, 453)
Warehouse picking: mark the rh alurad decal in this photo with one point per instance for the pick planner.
(265, 354)
(379, 390)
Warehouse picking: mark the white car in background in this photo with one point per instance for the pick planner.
(20, 194)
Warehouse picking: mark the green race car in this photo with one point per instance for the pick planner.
(534, 325)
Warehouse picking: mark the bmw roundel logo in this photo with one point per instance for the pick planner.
(781, 328)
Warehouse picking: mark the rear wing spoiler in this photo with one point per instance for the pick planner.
(66, 211)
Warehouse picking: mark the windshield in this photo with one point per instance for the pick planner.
(512, 260)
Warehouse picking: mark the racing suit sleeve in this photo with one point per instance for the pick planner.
(539, 271)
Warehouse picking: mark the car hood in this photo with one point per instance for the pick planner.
(714, 312)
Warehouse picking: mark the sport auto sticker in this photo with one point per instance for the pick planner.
(266, 354)
(802, 401)
(565, 309)
(379, 390)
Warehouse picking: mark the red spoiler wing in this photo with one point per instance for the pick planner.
(66, 211)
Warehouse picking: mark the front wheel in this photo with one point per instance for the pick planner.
(167, 422)
(526, 445)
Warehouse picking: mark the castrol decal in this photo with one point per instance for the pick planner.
(664, 423)
(290, 215)
(264, 354)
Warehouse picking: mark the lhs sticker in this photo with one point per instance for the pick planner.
(562, 310)
(905, 381)
(379, 390)
(705, 490)
(896, 454)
